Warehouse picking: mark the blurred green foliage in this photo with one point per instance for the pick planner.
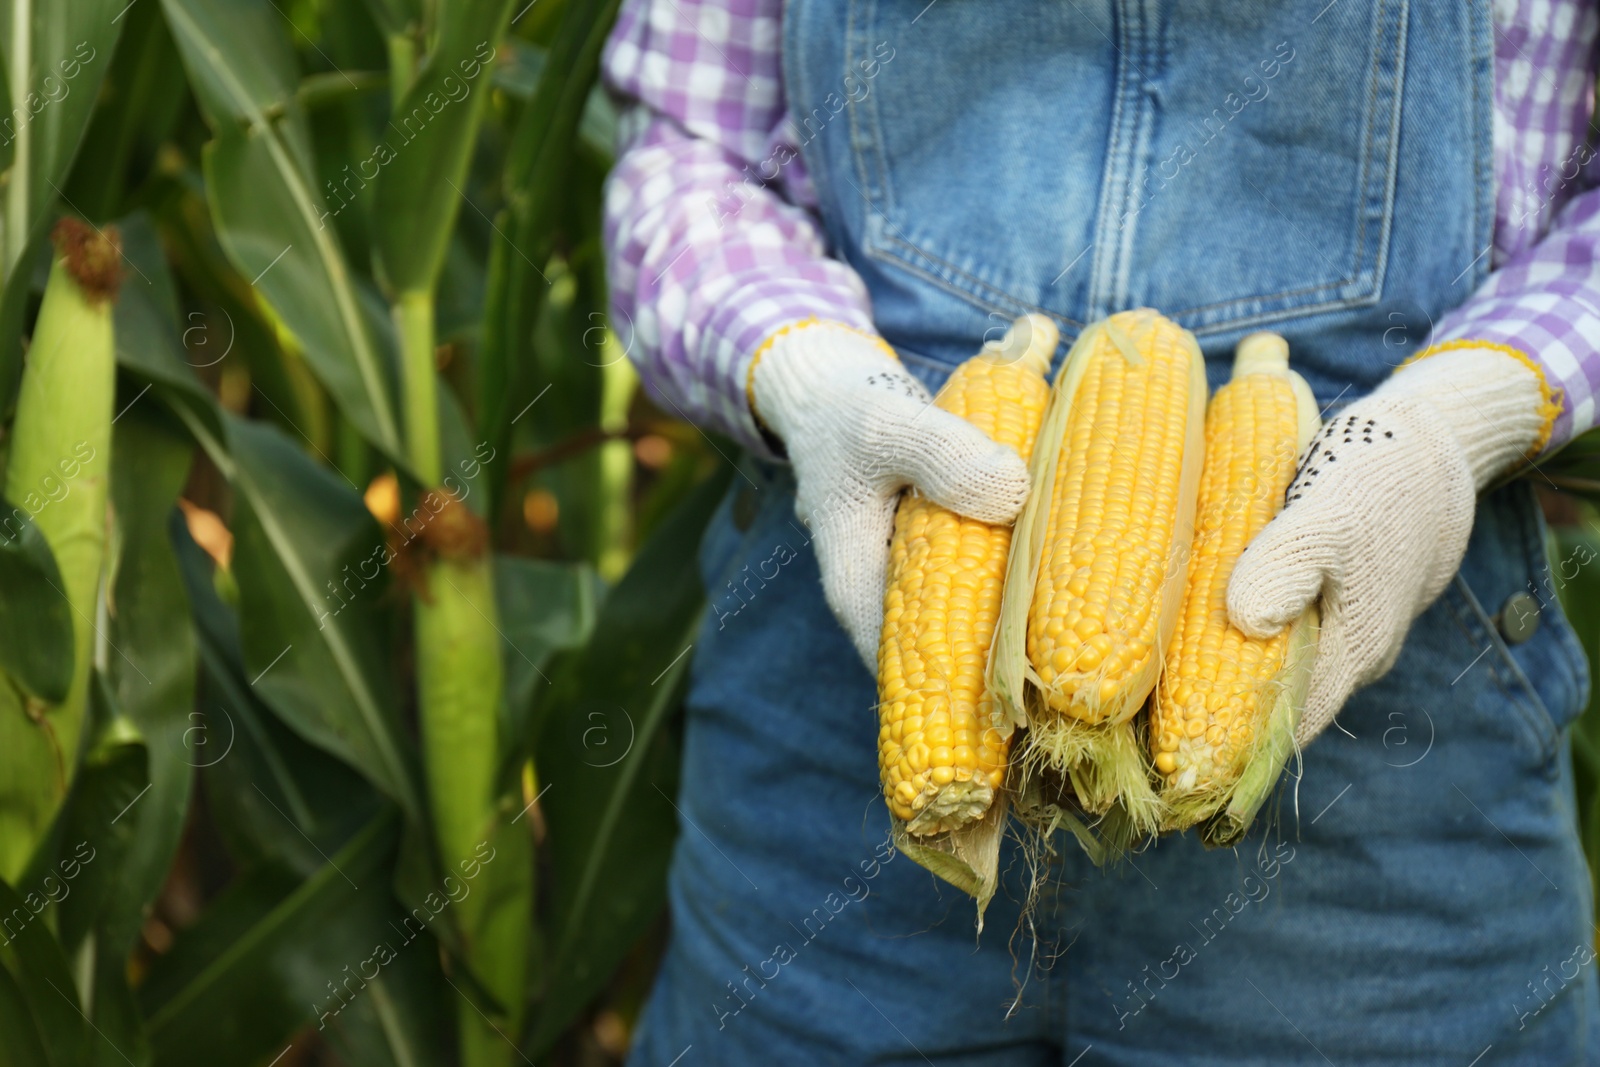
(362, 267)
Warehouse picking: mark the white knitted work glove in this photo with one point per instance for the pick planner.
(1378, 515)
(859, 428)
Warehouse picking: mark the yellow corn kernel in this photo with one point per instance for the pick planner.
(1120, 518)
(1219, 686)
(943, 592)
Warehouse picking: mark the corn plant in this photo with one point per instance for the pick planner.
(337, 618)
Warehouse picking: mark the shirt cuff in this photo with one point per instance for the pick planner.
(1558, 333)
(1549, 400)
(745, 321)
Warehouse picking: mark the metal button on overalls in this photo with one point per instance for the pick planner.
(1519, 618)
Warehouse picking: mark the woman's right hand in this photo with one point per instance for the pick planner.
(858, 428)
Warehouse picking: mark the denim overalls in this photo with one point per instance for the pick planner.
(1416, 895)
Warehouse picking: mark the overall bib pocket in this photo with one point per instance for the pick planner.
(1294, 125)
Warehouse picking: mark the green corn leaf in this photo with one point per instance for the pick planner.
(397, 18)
(98, 835)
(431, 137)
(240, 61)
(32, 782)
(275, 798)
(14, 299)
(518, 74)
(298, 528)
(329, 88)
(24, 1046)
(396, 1022)
(151, 671)
(271, 219)
(35, 621)
(611, 821)
(236, 323)
(151, 668)
(121, 1036)
(310, 563)
(536, 170)
(545, 608)
(53, 73)
(552, 117)
(1573, 468)
(276, 953)
(39, 969)
(273, 234)
(150, 352)
(137, 111)
(102, 869)
(514, 293)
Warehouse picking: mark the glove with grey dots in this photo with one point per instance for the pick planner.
(1378, 515)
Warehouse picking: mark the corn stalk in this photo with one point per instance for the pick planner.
(460, 677)
(460, 687)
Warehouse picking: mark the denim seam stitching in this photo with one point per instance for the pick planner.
(867, 131)
(1281, 294)
(875, 250)
(1110, 169)
(879, 247)
(813, 152)
(1377, 86)
(1376, 89)
(1389, 171)
(1375, 64)
(1483, 115)
(1293, 311)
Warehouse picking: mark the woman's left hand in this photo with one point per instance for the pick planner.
(1378, 515)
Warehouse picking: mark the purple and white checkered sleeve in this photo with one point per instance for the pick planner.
(1543, 296)
(709, 253)
(1545, 302)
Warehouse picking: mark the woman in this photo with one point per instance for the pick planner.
(825, 205)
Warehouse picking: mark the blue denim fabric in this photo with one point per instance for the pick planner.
(1416, 894)
(1325, 171)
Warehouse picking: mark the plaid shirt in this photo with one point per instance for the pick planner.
(713, 242)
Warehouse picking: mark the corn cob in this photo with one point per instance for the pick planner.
(1097, 567)
(460, 703)
(1226, 700)
(58, 470)
(943, 745)
(1121, 514)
